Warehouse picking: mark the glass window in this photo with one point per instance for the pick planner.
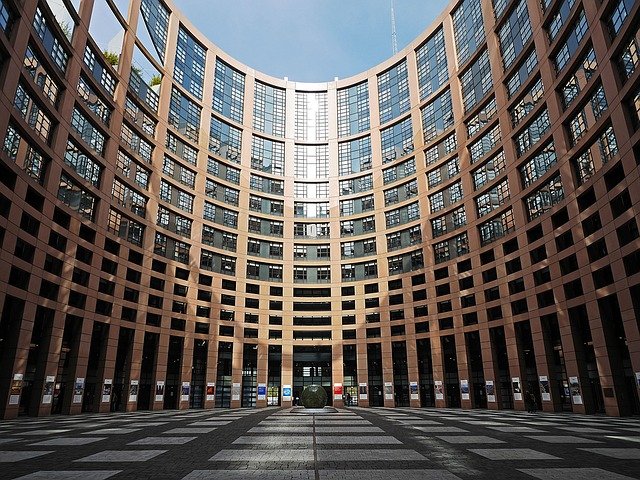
(353, 110)
(393, 92)
(228, 91)
(468, 29)
(312, 117)
(431, 58)
(269, 109)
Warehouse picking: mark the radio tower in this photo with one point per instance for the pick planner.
(394, 36)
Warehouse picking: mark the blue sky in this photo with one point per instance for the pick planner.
(310, 40)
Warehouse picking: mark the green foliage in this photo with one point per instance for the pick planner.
(112, 57)
(155, 80)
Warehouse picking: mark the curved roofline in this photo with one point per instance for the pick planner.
(312, 86)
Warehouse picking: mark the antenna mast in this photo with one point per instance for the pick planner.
(394, 36)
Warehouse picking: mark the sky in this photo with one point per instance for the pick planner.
(310, 40)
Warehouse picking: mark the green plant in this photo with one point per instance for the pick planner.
(137, 70)
(313, 396)
(111, 57)
(155, 80)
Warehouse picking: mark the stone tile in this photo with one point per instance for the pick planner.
(364, 455)
(18, 456)
(301, 441)
(572, 474)
(357, 441)
(283, 429)
(162, 441)
(428, 429)
(112, 431)
(516, 429)
(619, 453)
(146, 424)
(70, 475)
(8, 440)
(485, 423)
(190, 430)
(584, 429)
(64, 441)
(420, 422)
(355, 429)
(463, 439)
(561, 439)
(209, 423)
(251, 474)
(40, 433)
(122, 456)
(387, 474)
(263, 456)
(512, 454)
(622, 437)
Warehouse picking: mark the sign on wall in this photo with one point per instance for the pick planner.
(576, 393)
(545, 393)
(107, 387)
(78, 390)
(491, 391)
(439, 389)
(159, 390)
(47, 395)
(262, 391)
(286, 393)
(133, 391)
(413, 390)
(388, 391)
(362, 391)
(16, 389)
(337, 391)
(186, 390)
(464, 389)
(211, 391)
(517, 388)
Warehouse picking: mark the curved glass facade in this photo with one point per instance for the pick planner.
(450, 228)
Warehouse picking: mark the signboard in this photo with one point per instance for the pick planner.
(545, 393)
(16, 389)
(517, 388)
(638, 379)
(576, 393)
(439, 389)
(413, 390)
(211, 391)
(47, 395)
(337, 391)
(362, 391)
(106, 390)
(235, 392)
(388, 391)
(286, 393)
(133, 391)
(464, 389)
(262, 391)
(491, 392)
(78, 390)
(159, 390)
(186, 390)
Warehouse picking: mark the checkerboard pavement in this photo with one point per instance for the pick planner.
(355, 443)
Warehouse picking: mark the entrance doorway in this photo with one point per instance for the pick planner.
(312, 366)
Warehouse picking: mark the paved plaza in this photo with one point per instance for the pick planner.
(277, 444)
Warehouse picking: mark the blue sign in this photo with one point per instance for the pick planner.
(286, 392)
(262, 390)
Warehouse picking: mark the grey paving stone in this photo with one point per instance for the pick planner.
(429, 429)
(251, 474)
(64, 441)
(420, 422)
(512, 454)
(358, 441)
(572, 474)
(284, 429)
(19, 456)
(620, 453)
(516, 429)
(112, 431)
(8, 440)
(162, 441)
(561, 439)
(622, 437)
(275, 440)
(584, 429)
(190, 430)
(70, 475)
(42, 433)
(387, 474)
(364, 455)
(209, 423)
(355, 429)
(122, 456)
(463, 439)
(485, 423)
(263, 456)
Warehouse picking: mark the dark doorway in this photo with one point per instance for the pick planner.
(312, 366)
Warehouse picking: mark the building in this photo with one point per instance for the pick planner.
(454, 227)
